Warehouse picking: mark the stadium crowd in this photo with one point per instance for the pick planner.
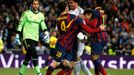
(120, 22)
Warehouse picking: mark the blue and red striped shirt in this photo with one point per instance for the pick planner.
(69, 26)
(95, 23)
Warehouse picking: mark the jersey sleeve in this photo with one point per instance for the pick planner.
(21, 22)
(43, 24)
(86, 27)
(92, 23)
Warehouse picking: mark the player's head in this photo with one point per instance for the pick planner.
(35, 4)
(73, 4)
(87, 13)
(63, 6)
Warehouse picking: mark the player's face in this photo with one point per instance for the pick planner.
(88, 16)
(35, 5)
(72, 4)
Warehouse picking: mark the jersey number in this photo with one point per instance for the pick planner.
(58, 54)
(63, 26)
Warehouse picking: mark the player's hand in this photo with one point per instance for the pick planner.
(81, 16)
(103, 27)
(46, 37)
(17, 40)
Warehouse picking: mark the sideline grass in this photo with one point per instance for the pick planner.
(13, 71)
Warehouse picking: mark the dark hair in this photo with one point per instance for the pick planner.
(73, 0)
(29, 2)
(33, 1)
(62, 6)
(100, 2)
(87, 11)
(76, 0)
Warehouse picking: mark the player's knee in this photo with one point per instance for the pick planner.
(66, 63)
(54, 64)
(83, 64)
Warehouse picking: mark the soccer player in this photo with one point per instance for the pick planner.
(28, 27)
(71, 26)
(80, 64)
(52, 43)
(99, 40)
(78, 11)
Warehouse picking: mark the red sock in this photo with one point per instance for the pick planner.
(96, 71)
(69, 72)
(62, 72)
(102, 70)
(49, 72)
(99, 67)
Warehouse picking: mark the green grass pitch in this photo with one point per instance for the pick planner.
(13, 71)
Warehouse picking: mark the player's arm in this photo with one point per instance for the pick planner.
(21, 23)
(87, 28)
(92, 23)
(44, 29)
(20, 27)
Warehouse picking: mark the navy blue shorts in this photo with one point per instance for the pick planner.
(60, 53)
(97, 47)
(74, 51)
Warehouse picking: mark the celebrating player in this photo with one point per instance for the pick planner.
(99, 40)
(71, 26)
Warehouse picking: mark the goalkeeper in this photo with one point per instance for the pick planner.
(31, 21)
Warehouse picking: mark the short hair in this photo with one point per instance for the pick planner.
(29, 2)
(87, 11)
(34, 0)
(74, 0)
(62, 6)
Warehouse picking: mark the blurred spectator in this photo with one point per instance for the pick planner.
(111, 51)
(132, 52)
(40, 48)
(1, 46)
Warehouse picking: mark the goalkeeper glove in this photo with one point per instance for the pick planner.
(80, 36)
(46, 37)
(17, 40)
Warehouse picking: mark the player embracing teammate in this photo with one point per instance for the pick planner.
(71, 26)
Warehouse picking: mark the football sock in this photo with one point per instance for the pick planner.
(49, 70)
(37, 69)
(22, 69)
(99, 68)
(84, 68)
(77, 69)
(62, 72)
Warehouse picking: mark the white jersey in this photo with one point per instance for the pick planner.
(77, 11)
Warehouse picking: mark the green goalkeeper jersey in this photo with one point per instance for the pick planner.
(30, 23)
